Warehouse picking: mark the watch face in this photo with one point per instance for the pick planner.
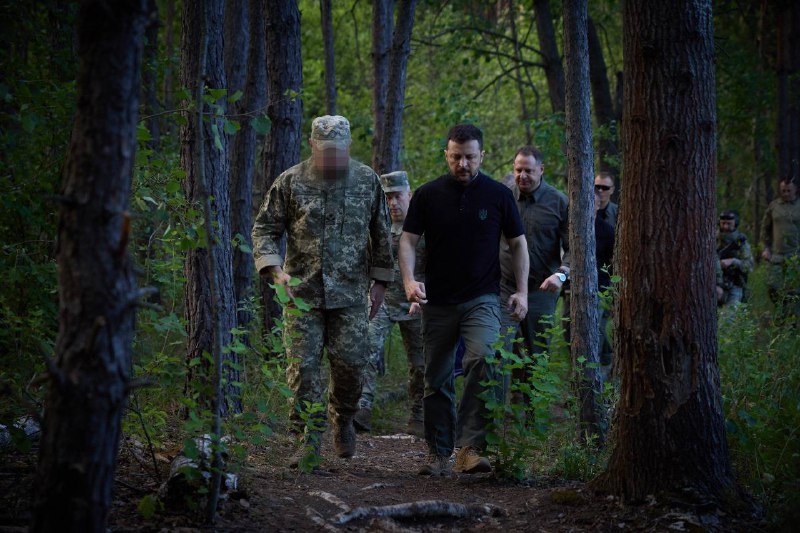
(561, 276)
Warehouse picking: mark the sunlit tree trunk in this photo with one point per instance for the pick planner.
(395, 99)
(210, 317)
(90, 376)
(284, 107)
(584, 298)
(669, 433)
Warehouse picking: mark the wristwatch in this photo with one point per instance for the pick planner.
(562, 276)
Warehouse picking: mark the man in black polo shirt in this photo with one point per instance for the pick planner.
(462, 215)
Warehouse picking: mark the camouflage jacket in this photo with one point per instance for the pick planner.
(396, 302)
(780, 229)
(338, 233)
(734, 245)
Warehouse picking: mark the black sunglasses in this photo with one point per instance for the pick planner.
(602, 187)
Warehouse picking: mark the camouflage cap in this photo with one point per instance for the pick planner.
(330, 131)
(395, 181)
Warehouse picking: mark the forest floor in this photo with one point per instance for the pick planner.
(273, 497)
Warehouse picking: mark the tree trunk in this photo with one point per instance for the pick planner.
(207, 318)
(525, 115)
(169, 65)
(554, 70)
(580, 172)
(608, 153)
(395, 98)
(326, 12)
(669, 433)
(96, 284)
(243, 159)
(382, 26)
(150, 77)
(284, 108)
(788, 70)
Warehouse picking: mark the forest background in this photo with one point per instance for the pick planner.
(482, 62)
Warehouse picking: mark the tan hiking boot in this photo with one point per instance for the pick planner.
(469, 461)
(436, 465)
(363, 419)
(344, 439)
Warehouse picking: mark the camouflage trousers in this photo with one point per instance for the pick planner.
(342, 333)
(411, 330)
(783, 288)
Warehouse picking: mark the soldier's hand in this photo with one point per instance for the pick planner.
(766, 255)
(376, 295)
(414, 309)
(279, 277)
(551, 284)
(518, 304)
(415, 292)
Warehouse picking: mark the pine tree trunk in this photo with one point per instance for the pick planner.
(669, 432)
(583, 313)
(554, 71)
(150, 77)
(395, 99)
(96, 284)
(788, 70)
(243, 161)
(382, 27)
(284, 108)
(326, 12)
(206, 317)
(607, 151)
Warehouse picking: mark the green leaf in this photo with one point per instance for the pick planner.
(216, 94)
(235, 97)
(217, 139)
(261, 124)
(230, 126)
(142, 133)
(147, 506)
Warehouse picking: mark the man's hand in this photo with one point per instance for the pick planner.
(279, 277)
(415, 292)
(518, 303)
(766, 255)
(376, 294)
(414, 309)
(551, 284)
(725, 263)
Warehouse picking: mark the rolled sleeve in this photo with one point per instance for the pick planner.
(269, 226)
(381, 238)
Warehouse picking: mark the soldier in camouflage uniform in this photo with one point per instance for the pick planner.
(780, 237)
(334, 214)
(396, 308)
(736, 259)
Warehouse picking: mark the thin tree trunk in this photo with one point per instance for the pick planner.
(169, 64)
(583, 313)
(243, 166)
(608, 153)
(554, 71)
(326, 12)
(669, 433)
(525, 116)
(395, 100)
(207, 318)
(96, 284)
(788, 70)
(382, 27)
(150, 77)
(284, 108)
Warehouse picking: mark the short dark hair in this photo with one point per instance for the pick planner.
(462, 133)
(788, 180)
(730, 214)
(605, 175)
(529, 150)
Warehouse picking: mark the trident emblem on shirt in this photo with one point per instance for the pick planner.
(482, 214)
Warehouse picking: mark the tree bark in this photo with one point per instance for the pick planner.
(382, 27)
(284, 108)
(169, 50)
(395, 99)
(669, 433)
(243, 159)
(580, 176)
(607, 151)
(326, 12)
(208, 319)
(554, 70)
(96, 283)
(788, 71)
(150, 77)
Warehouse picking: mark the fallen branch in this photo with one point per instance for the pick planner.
(332, 499)
(315, 517)
(421, 509)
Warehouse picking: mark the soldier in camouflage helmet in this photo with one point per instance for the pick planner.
(397, 309)
(334, 214)
(736, 259)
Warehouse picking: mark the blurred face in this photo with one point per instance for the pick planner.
(332, 162)
(527, 173)
(596, 202)
(463, 159)
(788, 191)
(398, 204)
(604, 188)
(727, 225)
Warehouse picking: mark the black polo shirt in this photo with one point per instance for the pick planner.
(462, 225)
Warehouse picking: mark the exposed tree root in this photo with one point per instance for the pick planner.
(421, 509)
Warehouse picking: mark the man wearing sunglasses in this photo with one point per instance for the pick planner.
(604, 186)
